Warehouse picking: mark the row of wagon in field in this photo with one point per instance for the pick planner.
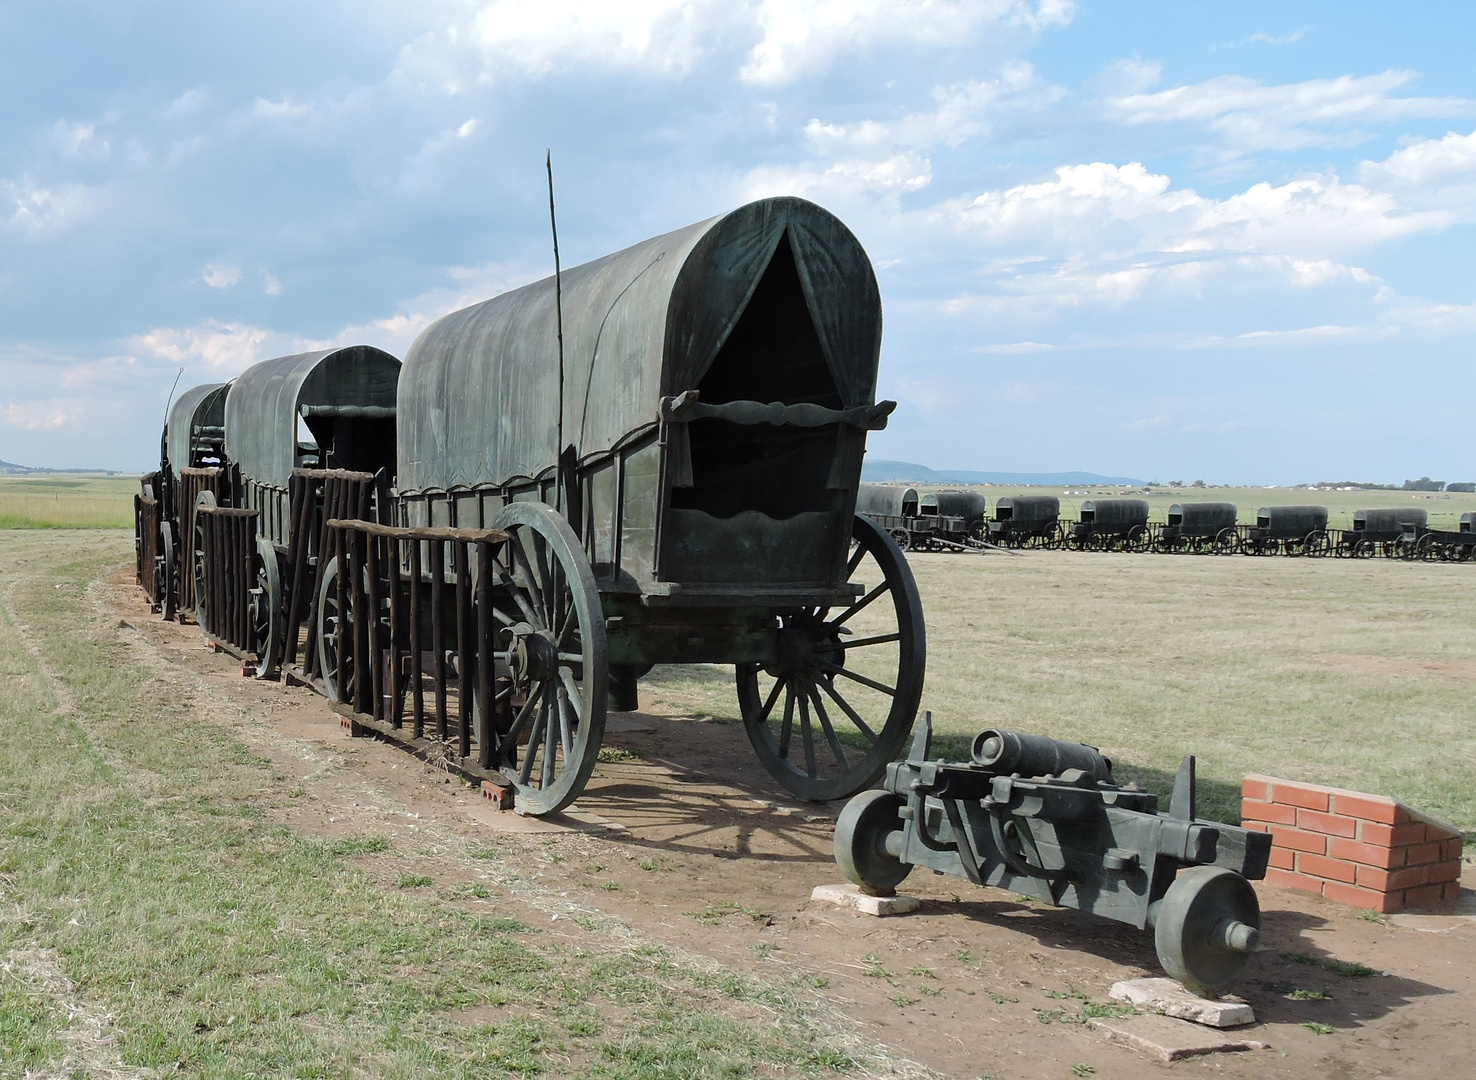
(652, 459)
(959, 521)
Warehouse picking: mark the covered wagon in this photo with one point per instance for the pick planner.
(1025, 520)
(1294, 530)
(1199, 527)
(651, 459)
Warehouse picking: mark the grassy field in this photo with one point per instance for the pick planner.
(1357, 673)
(67, 502)
(154, 920)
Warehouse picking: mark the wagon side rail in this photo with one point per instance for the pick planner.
(414, 655)
(192, 482)
(146, 535)
(228, 540)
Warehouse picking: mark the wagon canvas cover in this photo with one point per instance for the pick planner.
(478, 404)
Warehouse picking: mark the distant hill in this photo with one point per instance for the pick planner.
(10, 468)
(883, 472)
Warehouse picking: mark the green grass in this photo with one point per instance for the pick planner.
(67, 502)
(140, 876)
(1355, 673)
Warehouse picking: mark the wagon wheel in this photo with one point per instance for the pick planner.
(197, 560)
(903, 538)
(1225, 542)
(1206, 927)
(551, 634)
(1425, 548)
(867, 661)
(266, 608)
(164, 577)
(1317, 544)
(1363, 549)
(332, 626)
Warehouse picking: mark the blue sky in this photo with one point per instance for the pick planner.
(1181, 240)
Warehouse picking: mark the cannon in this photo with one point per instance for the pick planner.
(1045, 819)
(1291, 530)
(1105, 524)
(1025, 521)
(1381, 531)
(1200, 528)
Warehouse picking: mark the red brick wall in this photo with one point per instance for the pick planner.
(1365, 850)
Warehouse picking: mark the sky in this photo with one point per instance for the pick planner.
(1229, 242)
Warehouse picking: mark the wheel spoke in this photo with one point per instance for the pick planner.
(571, 687)
(836, 669)
(845, 707)
(522, 718)
(516, 592)
(860, 604)
(807, 734)
(531, 585)
(566, 727)
(830, 736)
(879, 639)
(548, 585)
(763, 715)
(855, 560)
(550, 742)
(535, 741)
(788, 724)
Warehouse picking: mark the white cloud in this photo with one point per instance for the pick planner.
(270, 285)
(222, 348)
(37, 209)
(219, 276)
(280, 110)
(929, 395)
(40, 415)
(1246, 115)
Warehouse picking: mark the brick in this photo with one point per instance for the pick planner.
(1451, 849)
(1306, 795)
(1323, 867)
(1328, 824)
(1371, 832)
(1451, 890)
(1367, 899)
(1370, 808)
(1435, 829)
(1268, 811)
(1407, 877)
(1283, 859)
(1413, 833)
(1257, 788)
(1298, 840)
(1443, 872)
(500, 795)
(1424, 896)
(1385, 858)
(1286, 879)
(1416, 854)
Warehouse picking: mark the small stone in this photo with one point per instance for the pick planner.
(1168, 1039)
(1171, 999)
(849, 895)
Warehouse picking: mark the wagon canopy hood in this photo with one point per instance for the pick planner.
(198, 406)
(478, 400)
(262, 406)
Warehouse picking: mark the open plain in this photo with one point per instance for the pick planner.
(205, 873)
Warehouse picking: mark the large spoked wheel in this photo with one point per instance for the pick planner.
(1206, 927)
(164, 579)
(197, 560)
(838, 702)
(550, 630)
(266, 608)
(861, 843)
(335, 631)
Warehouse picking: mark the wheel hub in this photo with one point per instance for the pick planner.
(534, 656)
(804, 642)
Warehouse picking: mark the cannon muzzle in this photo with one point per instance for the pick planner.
(1009, 752)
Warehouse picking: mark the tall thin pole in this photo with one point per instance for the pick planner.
(170, 400)
(560, 479)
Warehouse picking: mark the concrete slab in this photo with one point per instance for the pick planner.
(849, 895)
(1170, 998)
(628, 724)
(1167, 1039)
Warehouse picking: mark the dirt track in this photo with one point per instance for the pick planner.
(690, 845)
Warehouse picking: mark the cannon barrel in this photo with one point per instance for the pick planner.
(1009, 752)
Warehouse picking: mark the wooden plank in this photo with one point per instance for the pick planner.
(417, 701)
(465, 657)
(438, 632)
(485, 662)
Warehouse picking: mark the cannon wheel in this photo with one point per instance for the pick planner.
(266, 608)
(197, 559)
(1206, 927)
(165, 579)
(338, 685)
(551, 633)
(860, 839)
(798, 739)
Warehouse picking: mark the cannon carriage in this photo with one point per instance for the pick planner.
(1110, 524)
(654, 458)
(1025, 521)
(1201, 528)
(1289, 530)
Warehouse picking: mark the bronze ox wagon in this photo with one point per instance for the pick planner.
(653, 459)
